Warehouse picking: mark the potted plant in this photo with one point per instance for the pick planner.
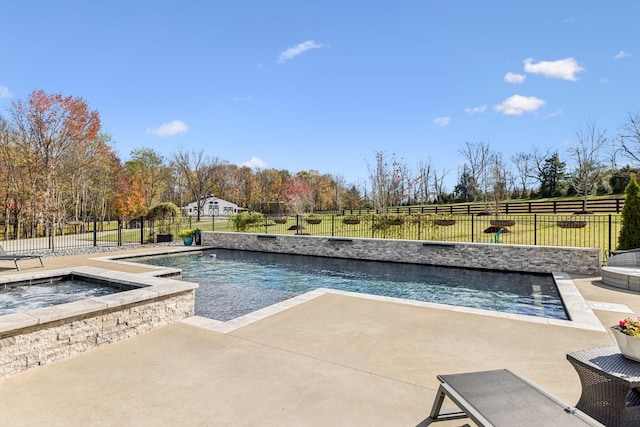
(571, 224)
(351, 219)
(313, 219)
(445, 222)
(394, 220)
(187, 236)
(627, 335)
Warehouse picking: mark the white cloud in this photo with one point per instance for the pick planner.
(622, 54)
(474, 110)
(442, 121)
(255, 163)
(292, 52)
(518, 104)
(176, 127)
(553, 114)
(565, 69)
(5, 92)
(514, 78)
(604, 80)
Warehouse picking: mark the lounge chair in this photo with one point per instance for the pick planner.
(4, 256)
(501, 398)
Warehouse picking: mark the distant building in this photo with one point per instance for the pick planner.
(212, 206)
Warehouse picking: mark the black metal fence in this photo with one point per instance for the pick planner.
(88, 233)
(597, 231)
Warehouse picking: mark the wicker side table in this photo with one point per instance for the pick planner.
(610, 386)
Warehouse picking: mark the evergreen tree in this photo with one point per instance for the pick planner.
(630, 230)
(550, 176)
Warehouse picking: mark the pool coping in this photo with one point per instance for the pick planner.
(144, 288)
(580, 312)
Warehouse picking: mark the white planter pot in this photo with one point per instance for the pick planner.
(629, 346)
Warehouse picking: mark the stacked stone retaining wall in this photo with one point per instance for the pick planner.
(521, 258)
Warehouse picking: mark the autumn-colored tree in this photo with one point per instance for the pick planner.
(244, 181)
(351, 198)
(127, 199)
(299, 196)
(148, 175)
(51, 128)
(270, 189)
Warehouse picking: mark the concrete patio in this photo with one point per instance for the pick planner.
(333, 360)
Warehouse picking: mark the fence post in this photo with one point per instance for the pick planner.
(473, 239)
(535, 229)
(119, 231)
(142, 230)
(95, 231)
(333, 227)
(610, 231)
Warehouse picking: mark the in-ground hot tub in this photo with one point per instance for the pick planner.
(43, 335)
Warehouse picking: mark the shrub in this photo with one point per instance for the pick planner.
(187, 232)
(630, 230)
(163, 215)
(243, 220)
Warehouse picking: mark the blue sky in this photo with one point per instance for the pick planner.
(324, 85)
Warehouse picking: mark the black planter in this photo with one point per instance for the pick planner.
(164, 238)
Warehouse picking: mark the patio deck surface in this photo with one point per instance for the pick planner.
(334, 360)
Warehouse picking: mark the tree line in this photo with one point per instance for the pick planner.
(59, 165)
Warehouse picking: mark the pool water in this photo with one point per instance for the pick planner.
(235, 283)
(24, 297)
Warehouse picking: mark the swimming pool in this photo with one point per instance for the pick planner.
(235, 283)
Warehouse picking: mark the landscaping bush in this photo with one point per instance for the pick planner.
(630, 229)
(244, 220)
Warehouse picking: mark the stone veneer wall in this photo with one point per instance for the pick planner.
(521, 258)
(42, 336)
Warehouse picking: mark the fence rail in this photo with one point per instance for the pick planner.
(509, 208)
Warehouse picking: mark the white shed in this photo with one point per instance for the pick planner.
(213, 206)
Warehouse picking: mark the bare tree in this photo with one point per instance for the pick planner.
(478, 156)
(630, 137)
(523, 165)
(197, 171)
(438, 184)
(425, 170)
(586, 154)
(339, 183)
(498, 179)
(538, 161)
(383, 182)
